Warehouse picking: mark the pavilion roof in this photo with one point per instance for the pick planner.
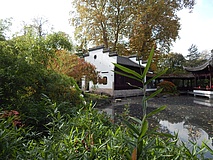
(201, 67)
(174, 76)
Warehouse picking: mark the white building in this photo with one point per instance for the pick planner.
(110, 82)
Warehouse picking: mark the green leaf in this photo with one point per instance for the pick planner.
(127, 75)
(148, 63)
(134, 86)
(144, 127)
(150, 144)
(103, 144)
(168, 135)
(187, 151)
(156, 76)
(156, 111)
(131, 127)
(208, 148)
(127, 70)
(136, 120)
(154, 94)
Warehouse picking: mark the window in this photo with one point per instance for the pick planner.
(104, 80)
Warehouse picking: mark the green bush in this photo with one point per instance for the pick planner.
(23, 86)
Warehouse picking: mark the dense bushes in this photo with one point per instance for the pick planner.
(24, 84)
(24, 88)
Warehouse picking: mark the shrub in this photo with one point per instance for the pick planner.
(11, 138)
(168, 87)
(23, 86)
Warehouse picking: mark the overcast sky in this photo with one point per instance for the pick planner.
(197, 27)
(55, 11)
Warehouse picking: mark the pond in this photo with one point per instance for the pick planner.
(190, 117)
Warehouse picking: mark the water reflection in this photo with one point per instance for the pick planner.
(191, 117)
(187, 132)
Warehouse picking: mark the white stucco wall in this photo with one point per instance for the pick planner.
(104, 66)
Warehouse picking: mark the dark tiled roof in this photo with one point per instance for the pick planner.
(121, 60)
(113, 54)
(86, 55)
(199, 68)
(96, 48)
(105, 50)
(126, 61)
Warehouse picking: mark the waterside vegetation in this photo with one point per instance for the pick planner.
(44, 115)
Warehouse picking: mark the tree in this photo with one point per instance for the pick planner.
(25, 80)
(4, 26)
(32, 48)
(37, 48)
(130, 26)
(38, 25)
(205, 54)
(73, 66)
(59, 41)
(193, 52)
(194, 57)
(175, 63)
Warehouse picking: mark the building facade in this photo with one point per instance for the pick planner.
(109, 82)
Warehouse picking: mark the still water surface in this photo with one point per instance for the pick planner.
(190, 117)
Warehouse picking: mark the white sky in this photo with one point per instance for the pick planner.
(55, 11)
(197, 27)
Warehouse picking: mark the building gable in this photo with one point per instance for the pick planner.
(103, 60)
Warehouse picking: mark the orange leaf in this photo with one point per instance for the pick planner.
(134, 154)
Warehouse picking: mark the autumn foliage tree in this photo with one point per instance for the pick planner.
(72, 65)
(128, 26)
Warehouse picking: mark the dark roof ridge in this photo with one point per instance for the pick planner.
(96, 48)
(126, 61)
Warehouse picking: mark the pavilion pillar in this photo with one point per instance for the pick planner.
(210, 76)
(195, 80)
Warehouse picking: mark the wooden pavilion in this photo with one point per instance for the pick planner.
(203, 79)
(184, 82)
